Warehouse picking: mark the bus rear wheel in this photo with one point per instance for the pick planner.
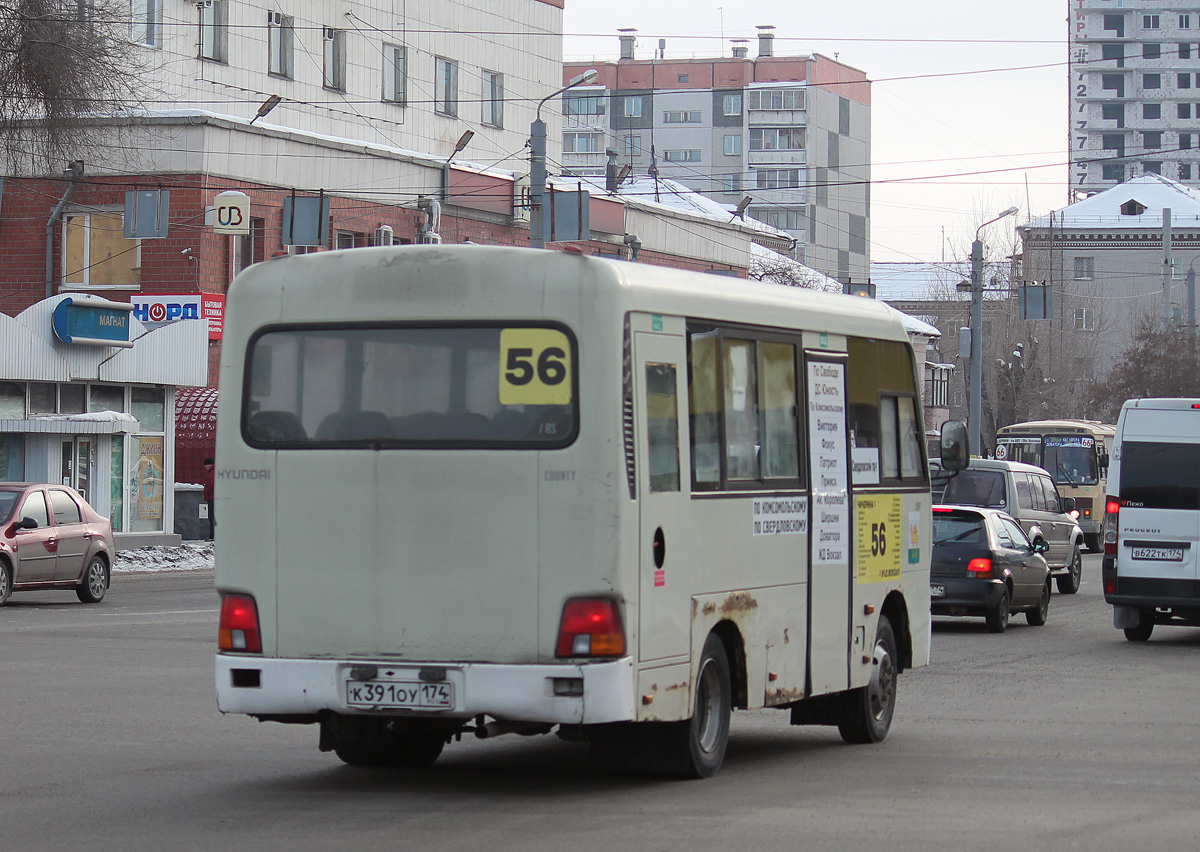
(383, 742)
(708, 729)
(869, 709)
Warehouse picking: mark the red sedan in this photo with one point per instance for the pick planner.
(50, 538)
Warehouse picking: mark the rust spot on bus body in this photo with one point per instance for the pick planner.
(775, 697)
(737, 603)
(709, 608)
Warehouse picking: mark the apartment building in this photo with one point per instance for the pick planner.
(1135, 91)
(785, 138)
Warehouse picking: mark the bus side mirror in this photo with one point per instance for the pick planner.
(956, 450)
(1104, 460)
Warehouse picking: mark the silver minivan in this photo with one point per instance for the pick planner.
(1029, 495)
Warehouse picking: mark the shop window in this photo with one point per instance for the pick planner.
(107, 398)
(43, 398)
(117, 478)
(72, 399)
(12, 458)
(147, 407)
(96, 254)
(12, 400)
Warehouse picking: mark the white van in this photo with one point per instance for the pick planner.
(1152, 517)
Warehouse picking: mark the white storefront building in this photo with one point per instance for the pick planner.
(87, 398)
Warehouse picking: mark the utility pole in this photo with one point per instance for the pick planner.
(539, 220)
(975, 412)
(1166, 273)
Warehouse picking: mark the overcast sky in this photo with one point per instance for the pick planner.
(950, 147)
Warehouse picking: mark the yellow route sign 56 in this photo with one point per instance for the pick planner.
(880, 538)
(535, 367)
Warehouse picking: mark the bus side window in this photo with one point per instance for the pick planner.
(741, 410)
(663, 427)
(777, 383)
(704, 406)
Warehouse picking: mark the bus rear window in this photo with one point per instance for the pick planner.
(1158, 475)
(406, 386)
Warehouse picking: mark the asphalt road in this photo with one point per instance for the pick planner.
(1059, 737)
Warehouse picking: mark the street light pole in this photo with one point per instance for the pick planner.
(538, 223)
(975, 413)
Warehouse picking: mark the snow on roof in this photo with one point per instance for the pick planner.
(795, 270)
(665, 192)
(1151, 192)
(919, 281)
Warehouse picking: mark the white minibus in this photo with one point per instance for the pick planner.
(488, 490)
(1151, 567)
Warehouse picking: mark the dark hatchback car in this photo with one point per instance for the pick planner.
(984, 565)
(50, 538)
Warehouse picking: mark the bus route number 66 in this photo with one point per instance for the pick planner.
(535, 367)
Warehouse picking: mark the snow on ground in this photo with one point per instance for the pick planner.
(190, 556)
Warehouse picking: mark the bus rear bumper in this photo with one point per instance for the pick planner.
(560, 693)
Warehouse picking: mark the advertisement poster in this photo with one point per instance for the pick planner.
(147, 480)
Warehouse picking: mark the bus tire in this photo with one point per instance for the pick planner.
(1068, 584)
(380, 742)
(1093, 542)
(708, 729)
(868, 712)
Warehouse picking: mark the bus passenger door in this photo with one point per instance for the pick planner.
(829, 592)
(663, 492)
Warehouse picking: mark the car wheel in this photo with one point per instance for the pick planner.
(1142, 632)
(997, 617)
(95, 581)
(1037, 617)
(6, 581)
(1068, 584)
(708, 729)
(869, 709)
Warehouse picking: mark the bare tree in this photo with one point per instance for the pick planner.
(1158, 363)
(775, 268)
(61, 62)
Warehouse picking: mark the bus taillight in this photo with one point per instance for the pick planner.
(238, 629)
(591, 627)
(1112, 507)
